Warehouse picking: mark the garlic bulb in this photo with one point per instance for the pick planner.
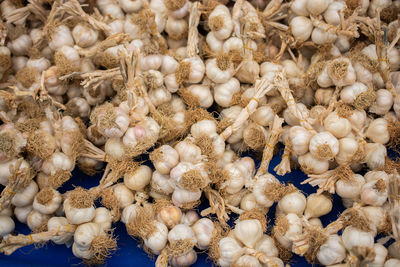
(311, 164)
(162, 183)
(299, 7)
(220, 22)
(139, 179)
(76, 210)
(375, 155)
(47, 201)
(351, 189)
(392, 263)
(348, 148)
(383, 102)
(324, 146)
(224, 93)
(103, 218)
(317, 205)
(247, 260)
(188, 152)
(158, 239)
(56, 223)
(26, 196)
(260, 185)
(374, 193)
(36, 218)
(266, 245)
(294, 202)
(84, 36)
(203, 95)
(248, 232)
(263, 115)
(353, 237)
(170, 216)
(378, 131)
(350, 93)
(219, 70)
(7, 225)
(332, 13)
(301, 28)
(124, 196)
(85, 233)
(203, 230)
(336, 125)
(291, 233)
(332, 251)
(129, 213)
(317, 7)
(300, 139)
(230, 250)
(21, 213)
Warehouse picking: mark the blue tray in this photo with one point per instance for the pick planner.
(129, 253)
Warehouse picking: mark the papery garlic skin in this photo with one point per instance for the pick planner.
(294, 202)
(300, 138)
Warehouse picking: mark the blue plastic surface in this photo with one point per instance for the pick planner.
(129, 253)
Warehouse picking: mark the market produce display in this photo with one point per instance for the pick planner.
(181, 106)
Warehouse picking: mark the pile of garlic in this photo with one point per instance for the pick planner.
(165, 96)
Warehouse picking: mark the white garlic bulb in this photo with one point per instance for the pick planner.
(317, 205)
(353, 237)
(294, 202)
(47, 201)
(332, 251)
(230, 250)
(336, 125)
(351, 189)
(158, 239)
(301, 28)
(248, 232)
(7, 225)
(375, 155)
(26, 196)
(324, 146)
(220, 22)
(378, 131)
(203, 230)
(139, 179)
